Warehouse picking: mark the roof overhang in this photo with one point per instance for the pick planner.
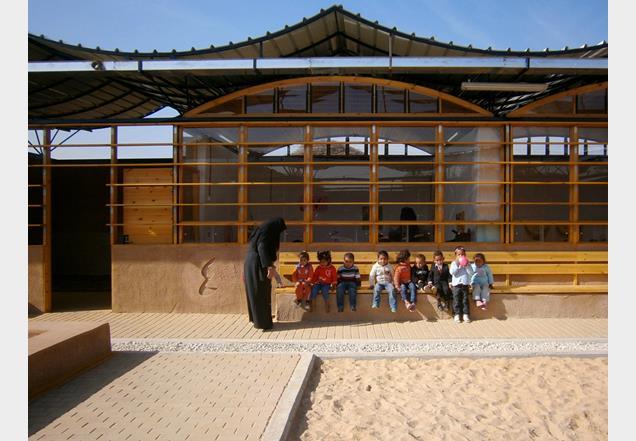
(68, 82)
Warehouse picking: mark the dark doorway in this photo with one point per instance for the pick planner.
(80, 253)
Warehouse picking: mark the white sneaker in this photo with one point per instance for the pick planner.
(457, 318)
(466, 318)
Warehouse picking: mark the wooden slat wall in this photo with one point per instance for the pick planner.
(144, 225)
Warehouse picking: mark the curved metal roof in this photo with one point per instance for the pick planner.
(334, 32)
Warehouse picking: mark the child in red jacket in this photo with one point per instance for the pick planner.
(302, 278)
(325, 277)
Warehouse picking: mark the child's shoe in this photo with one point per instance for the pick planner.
(340, 309)
(353, 308)
(407, 304)
(466, 318)
(393, 309)
(375, 306)
(478, 303)
(456, 318)
(412, 307)
(308, 305)
(484, 306)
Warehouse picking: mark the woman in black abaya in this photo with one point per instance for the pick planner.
(259, 270)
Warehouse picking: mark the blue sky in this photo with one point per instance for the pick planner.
(168, 24)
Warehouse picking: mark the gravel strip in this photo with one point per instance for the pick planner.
(492, 347)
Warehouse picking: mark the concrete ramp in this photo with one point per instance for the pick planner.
(60, 350)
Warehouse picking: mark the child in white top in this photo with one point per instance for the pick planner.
(381, 277)
(461, 271)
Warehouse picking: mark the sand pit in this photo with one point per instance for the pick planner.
(535, 398)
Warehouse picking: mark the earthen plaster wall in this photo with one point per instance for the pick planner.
(204, 278)
(36, 279)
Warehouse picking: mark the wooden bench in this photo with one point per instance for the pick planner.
(516, 272)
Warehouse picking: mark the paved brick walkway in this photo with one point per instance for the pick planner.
(223, 396)
(236, 326)
(165, 396)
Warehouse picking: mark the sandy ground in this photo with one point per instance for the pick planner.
(537, 398)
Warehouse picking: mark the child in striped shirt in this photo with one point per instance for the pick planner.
(348, 280)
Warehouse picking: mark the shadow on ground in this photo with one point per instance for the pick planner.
(53, 404)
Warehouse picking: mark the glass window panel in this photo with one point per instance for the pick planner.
(341, 143)
(404, 143)
(592, 212)
(402, 192)
(458, 149)
(548, 144)
(450, 107)
(292, 99)
(472, 212)
(593, 193)
(233, 107)
(264, 212)
(358, 98)
(210, 144)
(293, 233)
(390, 100)
(260, 103)
(540, 193)
(541, 173)
(422, 103)
(341, 173)
(210, 234)
(472, 202)
(472, 233)
(541, 212)
(275, 144)
(561, 105)
(407, 210)
(332, 193)
(325, 98)
(593, 233)
(341, 233)
(406, 173)
(593, 144)
(402, 210)
(541, 233)
(341, 212)
(275, 193)
(406, 233)
(275, 173)
(592, 102)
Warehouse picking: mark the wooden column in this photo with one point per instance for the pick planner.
(113, 187)
(46, 220)
(308, 192)
(374, 192)
(574, 189)
(243, 189)
(176, 179)
(439, 193)
(508, 230)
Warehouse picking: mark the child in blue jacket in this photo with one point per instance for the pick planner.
(481, 281)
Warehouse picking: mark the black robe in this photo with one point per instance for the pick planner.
(261, 253)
